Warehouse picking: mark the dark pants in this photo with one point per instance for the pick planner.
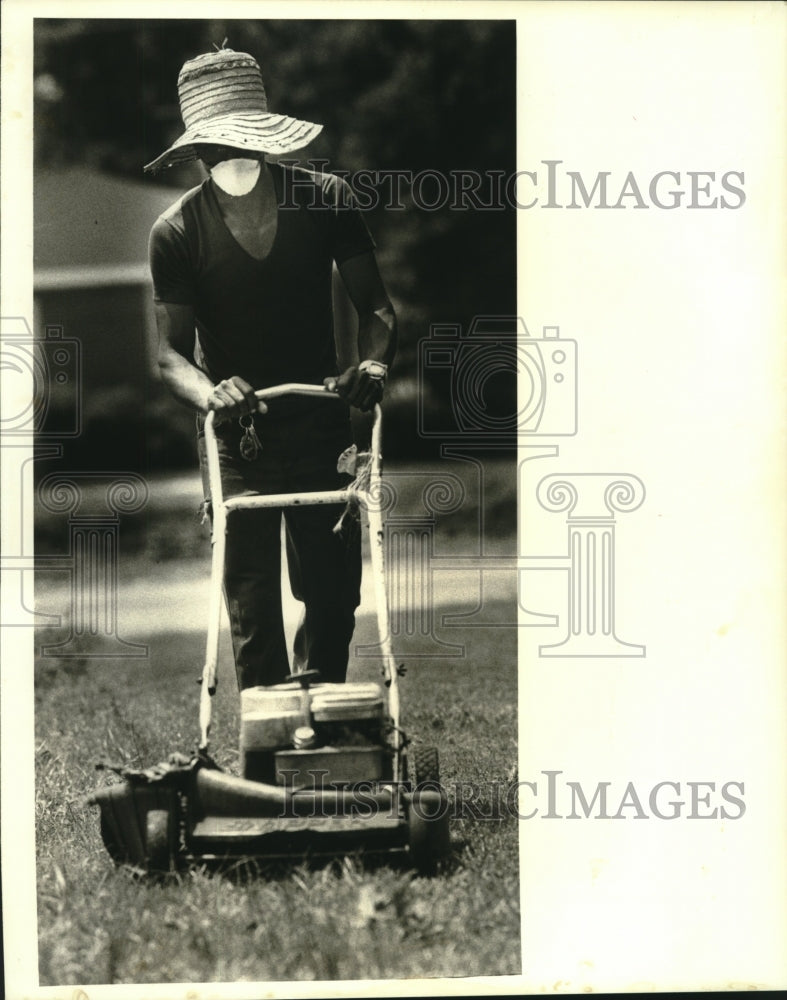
(299, 453)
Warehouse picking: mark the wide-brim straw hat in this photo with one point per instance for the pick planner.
(223, 103)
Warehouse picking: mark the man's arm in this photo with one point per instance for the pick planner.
(377, 332)
(190, 385)
(376, 318)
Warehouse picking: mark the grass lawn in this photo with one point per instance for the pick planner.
(344, 920)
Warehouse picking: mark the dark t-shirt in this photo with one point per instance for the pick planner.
(269, 321)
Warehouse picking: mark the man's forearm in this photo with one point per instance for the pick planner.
(187, 383)
(377, 335)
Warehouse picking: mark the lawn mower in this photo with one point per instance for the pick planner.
(326, 768)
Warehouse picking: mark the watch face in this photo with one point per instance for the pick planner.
(375, 368)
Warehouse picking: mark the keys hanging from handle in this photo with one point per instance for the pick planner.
(250, 444)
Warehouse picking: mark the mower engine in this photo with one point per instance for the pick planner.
(303, 736)
(317, 778)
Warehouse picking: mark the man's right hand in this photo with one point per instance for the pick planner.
(234, 397)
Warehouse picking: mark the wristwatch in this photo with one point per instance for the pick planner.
(374, 369)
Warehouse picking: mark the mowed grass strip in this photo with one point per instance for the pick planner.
(345, 920)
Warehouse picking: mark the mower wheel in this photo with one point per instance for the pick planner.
(155, 854)
(114, 849)
(428, 835)
(159, 840)
(423, 766)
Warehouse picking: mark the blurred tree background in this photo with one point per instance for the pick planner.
(391, 94)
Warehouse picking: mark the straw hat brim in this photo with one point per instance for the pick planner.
(259, 132)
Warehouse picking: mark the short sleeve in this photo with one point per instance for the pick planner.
(170, 264)
(350, 235)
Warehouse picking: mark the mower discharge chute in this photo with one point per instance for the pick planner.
(325, 767)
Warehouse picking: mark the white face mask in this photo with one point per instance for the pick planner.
(236, 177)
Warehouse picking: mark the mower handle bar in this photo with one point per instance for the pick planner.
(221, 508)
(273, 392)
(287, 389)
(296, 389)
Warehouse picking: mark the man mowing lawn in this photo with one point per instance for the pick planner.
(242, 276)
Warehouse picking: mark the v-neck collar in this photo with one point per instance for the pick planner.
(277, 187)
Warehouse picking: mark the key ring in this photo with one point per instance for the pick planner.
(250, 444)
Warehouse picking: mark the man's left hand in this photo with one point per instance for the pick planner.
(361, 389)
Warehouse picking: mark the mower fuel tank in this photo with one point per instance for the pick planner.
(346, 702)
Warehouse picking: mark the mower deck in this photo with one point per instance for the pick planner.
(186, 811)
